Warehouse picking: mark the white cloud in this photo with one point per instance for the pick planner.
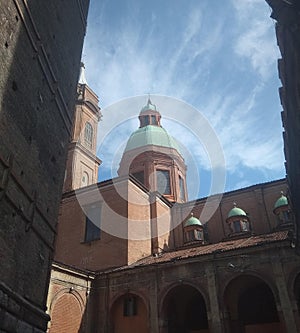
(256, 40)
(192, 58)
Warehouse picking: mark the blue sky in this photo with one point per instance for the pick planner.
(217, 56)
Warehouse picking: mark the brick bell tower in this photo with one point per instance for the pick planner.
(153, 157)
(82, 163)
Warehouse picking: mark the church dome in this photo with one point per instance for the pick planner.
(151, 136)
(282, 201)
(192, 221)
(236, 211)
(154, 158)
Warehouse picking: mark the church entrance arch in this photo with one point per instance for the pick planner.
(251, 306)
(184, 311)
(129, 314)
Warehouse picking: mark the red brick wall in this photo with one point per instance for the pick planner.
(132, 324)
(66, 314)
(258, 201)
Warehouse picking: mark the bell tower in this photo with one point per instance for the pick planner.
(82, 163)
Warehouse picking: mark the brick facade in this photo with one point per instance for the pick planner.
(40, 56)
(162, 268)
(287, 16)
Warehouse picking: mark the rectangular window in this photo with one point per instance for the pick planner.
(198, 235)
(244, 226)
(92, 223)
(237, 226)
(286, 216)
(153, 120)
(163, 181)
(130, 306)
(139, 176)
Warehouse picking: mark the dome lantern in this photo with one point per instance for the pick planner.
(149, 115)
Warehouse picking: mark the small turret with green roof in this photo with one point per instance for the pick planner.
(236, 211)
(192, 221)
(238, 221)
(282, 201)
(193, 230)
(283, 212)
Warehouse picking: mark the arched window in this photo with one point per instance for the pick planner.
(163, 181)
(146, 120)
(194, 235)
(240, 225)
(88, 134)
(85, 179)
(153, 120)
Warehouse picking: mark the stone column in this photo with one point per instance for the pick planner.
(154, 232)
(285, 302)
(215, 320)
(153, 305)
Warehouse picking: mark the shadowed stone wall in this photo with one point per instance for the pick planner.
(40, 51)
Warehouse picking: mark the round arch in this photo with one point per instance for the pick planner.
(255, 274)
(183, 309)
(66, 311)
(63, 291)
(129, 313)
(168, 288)
(250, 305)
(132, 292)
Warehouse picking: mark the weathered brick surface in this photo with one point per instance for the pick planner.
(66, 315)
(107, 252)
(40, 56)
(67, 299)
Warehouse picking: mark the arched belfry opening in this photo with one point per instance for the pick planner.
(184, 311)
(251, 307)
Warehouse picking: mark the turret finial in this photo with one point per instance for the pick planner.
(82, 79)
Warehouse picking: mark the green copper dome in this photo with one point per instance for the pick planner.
(151, 135)
(282, 201)
(192, 221)
(235, 211)
(149, 106)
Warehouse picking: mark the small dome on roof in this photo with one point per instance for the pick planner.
(236, 211)
(192, 221)
(149, 106)
(282, 201)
